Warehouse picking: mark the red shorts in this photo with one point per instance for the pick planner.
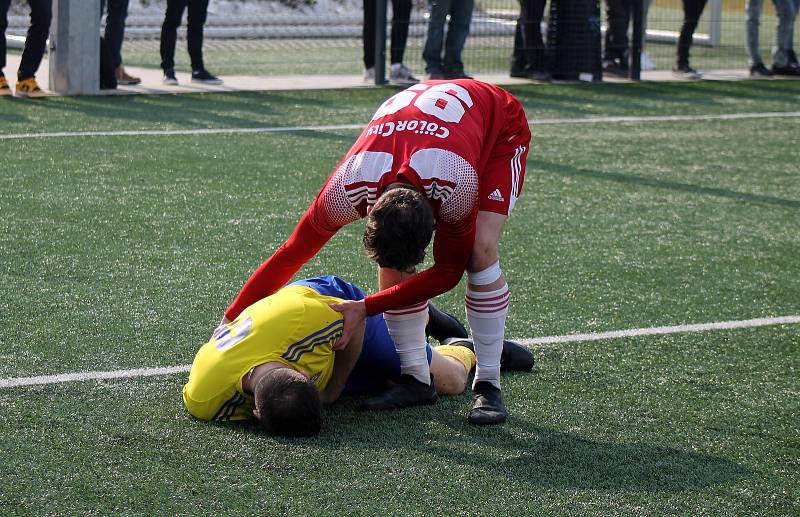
(502, 178)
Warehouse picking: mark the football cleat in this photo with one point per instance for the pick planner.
(487, 405)
(515, 357)
(442, 325)
(406, 393)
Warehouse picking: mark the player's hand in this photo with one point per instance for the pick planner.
(354, 313)
(221, 326)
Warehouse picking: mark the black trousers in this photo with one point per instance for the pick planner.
(618, 14)
(528, 43)
(115, 27)
(401, 15)
(198, 9)
(692, 9)
(36, 42)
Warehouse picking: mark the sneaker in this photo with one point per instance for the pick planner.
(169, 77)
(487, 405)
(646, 63)
(124, 78)
(407, 392)
(400, 74)
(759, 70)
(29, 88)
(515, 357)
(615, 67)
(789, 69)
(457, 75)
(5, 90)
(369, 75)
(203, 76)
(686, 72)
(442, 325)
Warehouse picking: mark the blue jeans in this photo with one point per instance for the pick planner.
(786, 10)
(460, 12)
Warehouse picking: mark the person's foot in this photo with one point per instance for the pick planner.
(514, 358)
(646, 63)
(401, 75)
(792, 57)
(29, 88)
(539, 74)
(615, 67)
(203, 76)
(5, 89)
(369, 75)
(436, 75)
(759, 70)
(789, 69)
(169, 77)
(487, 405)
(407, 392)
(124, 78)
(442, 325)
(686, 72)
(456, 75)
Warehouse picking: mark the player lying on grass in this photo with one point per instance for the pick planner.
(276, 361)
(443, 155)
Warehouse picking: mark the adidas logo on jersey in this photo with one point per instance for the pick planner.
(496, 195)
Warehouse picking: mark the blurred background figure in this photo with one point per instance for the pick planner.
(449, 65)
(35, 45)
(116, 13)
(528, 58)
(196, 19)
(401, 15)
(692, 9)
(784, 59)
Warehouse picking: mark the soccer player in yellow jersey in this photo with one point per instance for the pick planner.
(276, 361)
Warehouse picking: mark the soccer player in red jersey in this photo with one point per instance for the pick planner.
(447, 156)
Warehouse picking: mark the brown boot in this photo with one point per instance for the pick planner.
(123, 77)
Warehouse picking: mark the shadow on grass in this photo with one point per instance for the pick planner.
(643, 181)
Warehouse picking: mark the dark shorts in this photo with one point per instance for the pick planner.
(379, 361)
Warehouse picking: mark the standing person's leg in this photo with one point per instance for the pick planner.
(169, 32)
(752, 10)
(692, 9)
(533, 11)
(518, 62)
(618, 15)
(368, 34)
(401, 16)
(784, 10)
(457, 32)
(115, 29)
(36, 41)
(195, 20)
(4, 6)
(432, 53)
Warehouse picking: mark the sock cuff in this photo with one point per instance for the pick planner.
(485, 277)
(407, 313)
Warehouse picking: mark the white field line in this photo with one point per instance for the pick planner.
(334, 127)
(569, 338)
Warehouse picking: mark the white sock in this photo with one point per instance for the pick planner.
(407, 328)
(486, 313)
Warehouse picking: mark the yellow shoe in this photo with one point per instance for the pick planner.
(4, 89)
(29, 88)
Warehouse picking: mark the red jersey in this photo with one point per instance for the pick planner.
(442, 137)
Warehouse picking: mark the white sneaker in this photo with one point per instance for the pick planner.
(369, 75)
(646, 62)
(399, 74)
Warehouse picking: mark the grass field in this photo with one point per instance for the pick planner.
(121, 251)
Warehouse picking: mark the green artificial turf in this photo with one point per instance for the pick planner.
(122, 252)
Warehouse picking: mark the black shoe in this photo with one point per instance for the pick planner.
(442, 325)
(520, 73)
(169, 77)
(792, 57)
(457, 75)
(487, 405)
(538, 74)
(686, 72)
(615, 67)
(759, 70)
(515, 357)
(203, 76)
(407, 392)
(788, 69)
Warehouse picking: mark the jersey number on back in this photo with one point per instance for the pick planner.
(444, 101)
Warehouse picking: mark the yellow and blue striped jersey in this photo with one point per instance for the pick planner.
(295, 326)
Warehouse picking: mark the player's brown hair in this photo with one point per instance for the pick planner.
(399, 228)
(288, 404)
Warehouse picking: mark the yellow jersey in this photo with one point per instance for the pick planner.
(295, 326)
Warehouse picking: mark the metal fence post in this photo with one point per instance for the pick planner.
(380, 42)
(75, 47)
(715, 23)
(636, 40)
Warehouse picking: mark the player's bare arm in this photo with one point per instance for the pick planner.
(343, 364)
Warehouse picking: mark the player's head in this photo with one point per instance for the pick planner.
(399, 228)
(288, 404)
